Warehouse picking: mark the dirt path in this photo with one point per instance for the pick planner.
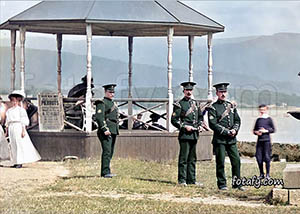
(30, 177)
(212, 200)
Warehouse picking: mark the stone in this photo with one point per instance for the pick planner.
(294, 196)
(280, 195)
(291, 176)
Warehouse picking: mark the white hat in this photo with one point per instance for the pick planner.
(17, 93)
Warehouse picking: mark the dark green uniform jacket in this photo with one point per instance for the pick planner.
(222, 126)
(187, 112)
(107, 116)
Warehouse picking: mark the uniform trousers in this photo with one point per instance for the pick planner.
(187, 161)
(234, 157)
(108, 145)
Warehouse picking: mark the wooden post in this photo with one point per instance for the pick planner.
(191, 47)
(59, 45)
(130, 49)
(22, 57)
(13, 59)
(209, 46)
(170, 93)
(88, 103)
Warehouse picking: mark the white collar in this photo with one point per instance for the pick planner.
(264, 116)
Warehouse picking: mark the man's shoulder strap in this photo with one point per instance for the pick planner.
(177, 104)
(98, 102)
(114, 107)
(192, 107)
(226, 112)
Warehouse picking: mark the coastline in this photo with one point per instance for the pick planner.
(289, 152)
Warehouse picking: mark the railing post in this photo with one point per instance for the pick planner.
(13, 60)
(22, 58)
(88, 103)
(59, 45)
(210, 62)
(130, 50)
(170, 93)
(191, 47)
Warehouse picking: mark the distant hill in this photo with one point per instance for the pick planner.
(255, 63)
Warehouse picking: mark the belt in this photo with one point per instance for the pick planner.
(190, 123)
(111, 120)
(10, 122)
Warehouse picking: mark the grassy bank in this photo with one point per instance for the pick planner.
(289, 152)
(141, 187)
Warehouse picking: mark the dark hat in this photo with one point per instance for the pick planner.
(154, 116)
(221, 86)
(16, 93)
(84, 78)
(27, 100)
(109, 87)
(188, 85)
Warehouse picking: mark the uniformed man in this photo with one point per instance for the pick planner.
(107, 119)
(225, 122)
(187, 117)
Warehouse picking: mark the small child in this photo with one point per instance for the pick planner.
(263, 127)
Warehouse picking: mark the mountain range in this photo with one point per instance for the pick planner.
(257, 63)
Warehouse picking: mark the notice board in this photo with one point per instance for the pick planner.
(51, 112)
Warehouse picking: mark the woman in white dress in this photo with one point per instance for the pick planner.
(22, 149)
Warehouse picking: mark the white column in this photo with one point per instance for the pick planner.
(22, 57)
(13, 59)
(210, 62)
(191, 47)
(59, 46)
(170, 93)
(130, 50)
(88, 104)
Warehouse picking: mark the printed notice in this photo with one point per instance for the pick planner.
(51, 113)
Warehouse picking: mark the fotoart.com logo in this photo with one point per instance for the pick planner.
(256, 181)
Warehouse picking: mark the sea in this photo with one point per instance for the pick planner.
(287, 127)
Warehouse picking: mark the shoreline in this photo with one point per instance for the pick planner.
(289, 152)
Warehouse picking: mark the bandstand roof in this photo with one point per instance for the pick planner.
(114, 18)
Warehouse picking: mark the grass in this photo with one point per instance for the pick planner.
(137, 189)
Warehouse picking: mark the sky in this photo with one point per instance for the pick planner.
(240, 18)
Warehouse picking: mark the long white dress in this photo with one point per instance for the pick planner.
(22, 149)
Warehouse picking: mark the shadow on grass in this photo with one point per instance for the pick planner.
(81, 177)
(155, 180)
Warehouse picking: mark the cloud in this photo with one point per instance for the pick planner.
(244, 18)
(240, 18)
(9, 9)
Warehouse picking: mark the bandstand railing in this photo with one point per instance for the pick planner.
(75, 111)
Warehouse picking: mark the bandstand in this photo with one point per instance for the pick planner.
(115, 19)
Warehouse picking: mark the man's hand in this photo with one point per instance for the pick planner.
(189, 128)
(201, 129)
(258, 133)
(232, 132)
(107, 133)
